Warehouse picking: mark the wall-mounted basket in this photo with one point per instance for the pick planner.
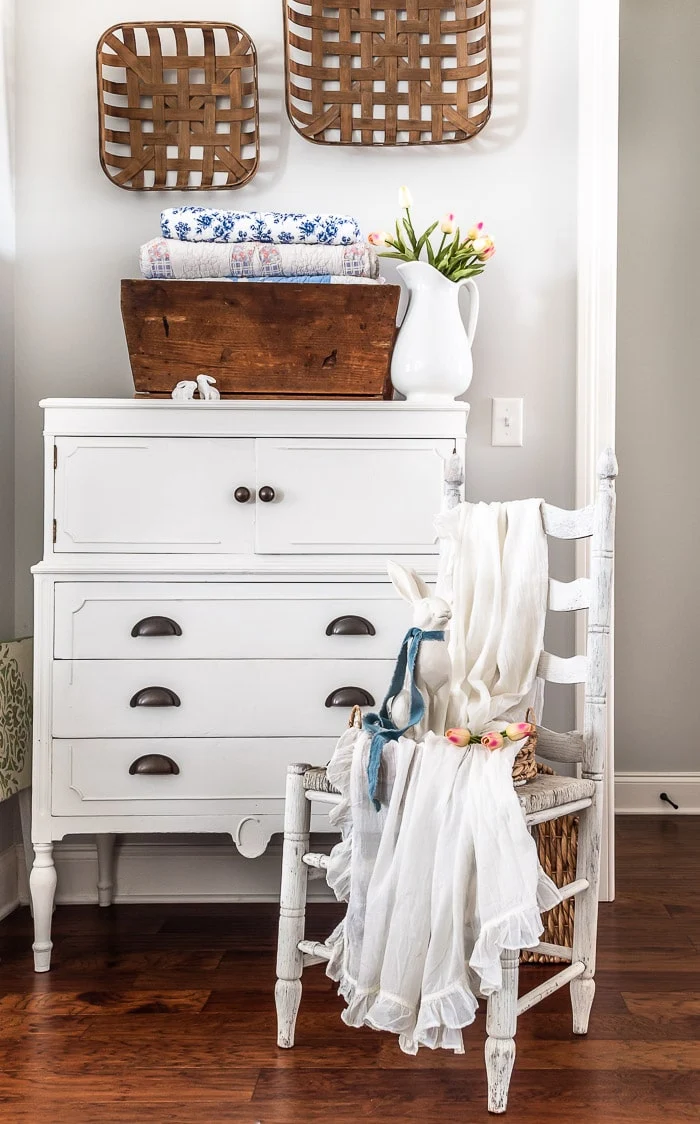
(388, 72)
(178, 106)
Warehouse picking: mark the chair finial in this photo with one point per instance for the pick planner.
(607, 465)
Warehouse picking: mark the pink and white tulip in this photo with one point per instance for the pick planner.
(459, 737)
(379, 238)
(447, 224)
(484, 247)
(492, 740)
(519, 730)
(474, 232)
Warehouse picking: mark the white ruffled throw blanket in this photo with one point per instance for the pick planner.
(445, 876)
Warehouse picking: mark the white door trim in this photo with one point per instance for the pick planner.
(599, 35)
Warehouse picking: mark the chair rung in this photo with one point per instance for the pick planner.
(322, 797)
(571, 889)
(561, 951)
(530, 998)
(557, 813)
(313, 859)
(314, 950)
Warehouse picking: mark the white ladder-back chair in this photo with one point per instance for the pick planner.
(546, 798)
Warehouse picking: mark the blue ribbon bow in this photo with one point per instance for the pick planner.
(381, 726)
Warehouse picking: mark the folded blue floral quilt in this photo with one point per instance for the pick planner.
(206, 224)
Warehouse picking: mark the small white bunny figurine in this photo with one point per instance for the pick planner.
(433, 671)
(207, 389)
(184, 391)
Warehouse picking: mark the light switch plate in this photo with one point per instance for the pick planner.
(507, 421)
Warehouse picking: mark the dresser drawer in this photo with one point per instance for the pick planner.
(247, 620)
(208, 698)
(212, 776)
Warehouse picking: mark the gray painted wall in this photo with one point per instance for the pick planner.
(8, 810)
(519, 176)
(7, 254)
(658, 409)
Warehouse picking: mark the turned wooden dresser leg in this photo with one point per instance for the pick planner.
(42, 887)
(105, 868)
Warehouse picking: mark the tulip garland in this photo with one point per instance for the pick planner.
(494, 739)
(456, 258)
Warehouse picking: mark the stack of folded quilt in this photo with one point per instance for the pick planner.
(203, 243)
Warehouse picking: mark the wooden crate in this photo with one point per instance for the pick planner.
(261, 340)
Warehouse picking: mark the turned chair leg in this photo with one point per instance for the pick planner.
(105, 868)
(501, 1022)
(586, 914)
(42, 888)
(290, 961)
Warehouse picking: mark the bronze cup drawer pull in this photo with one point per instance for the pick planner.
(350, 696)
(155, 696)
(154, 765)
(351, 626)
(156, 626)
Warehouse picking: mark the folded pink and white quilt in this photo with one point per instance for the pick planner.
(169, 259)
(208, 224)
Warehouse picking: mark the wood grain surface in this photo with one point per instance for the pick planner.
(261, 340)
(164, 1013)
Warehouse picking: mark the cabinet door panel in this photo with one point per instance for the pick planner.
(349, 496)
(153, 495)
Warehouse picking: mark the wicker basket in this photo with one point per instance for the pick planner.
(525, 765)
(556, 846)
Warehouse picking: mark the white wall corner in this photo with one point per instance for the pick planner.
(638, 793)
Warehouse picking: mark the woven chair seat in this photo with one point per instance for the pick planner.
(316, 780)
(538, 795)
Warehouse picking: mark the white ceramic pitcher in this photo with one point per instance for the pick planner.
(432, 360)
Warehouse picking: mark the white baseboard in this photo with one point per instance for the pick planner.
(638, 793)
(9, 898)
(173, 871)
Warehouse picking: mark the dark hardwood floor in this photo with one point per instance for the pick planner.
(156, 1014)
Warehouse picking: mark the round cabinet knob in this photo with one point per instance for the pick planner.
(241, 495)
(266, 494)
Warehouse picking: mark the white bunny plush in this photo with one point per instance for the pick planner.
(207, 389)
(433, 670)
(184, 391)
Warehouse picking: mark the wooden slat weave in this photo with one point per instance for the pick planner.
(388, 72)
(178, 106)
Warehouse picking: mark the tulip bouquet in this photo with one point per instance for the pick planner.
(493, 739)
(455, 257)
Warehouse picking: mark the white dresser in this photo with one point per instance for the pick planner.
(211, 602)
